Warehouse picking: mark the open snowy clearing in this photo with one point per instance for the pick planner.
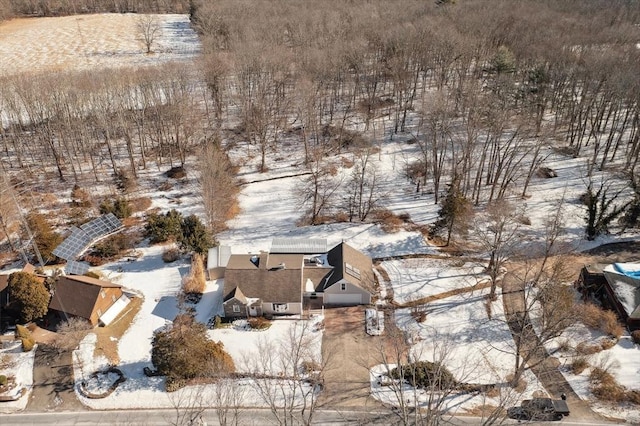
(84, 42)
(414, 279)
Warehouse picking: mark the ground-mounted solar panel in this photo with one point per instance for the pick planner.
(76, 268)
(73, 245)
(102, 226)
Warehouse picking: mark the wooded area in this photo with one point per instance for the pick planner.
(486, 89)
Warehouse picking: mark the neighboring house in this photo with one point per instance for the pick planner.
(278, 283)
(217, 259)
(622, 290)
(95, 300)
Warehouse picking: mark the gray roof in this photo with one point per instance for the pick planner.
(352, 265)
(299, 245)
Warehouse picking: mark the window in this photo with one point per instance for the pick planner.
(236, 309)
(99, 312)
(351, 270)
(103, 294)
(343, 286)
(280, 307)
(113, 298)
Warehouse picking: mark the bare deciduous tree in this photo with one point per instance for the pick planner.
(148, 29)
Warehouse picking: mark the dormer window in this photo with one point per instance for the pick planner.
(351, 270)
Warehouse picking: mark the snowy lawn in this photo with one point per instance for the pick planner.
(272, 351)
(476, 348)
(17, 365)
(414, 279)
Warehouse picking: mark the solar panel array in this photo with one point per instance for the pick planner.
(73, 245)
(76, 268)
(83, 237)
(102, 226)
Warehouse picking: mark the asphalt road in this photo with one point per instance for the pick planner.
(248, 417)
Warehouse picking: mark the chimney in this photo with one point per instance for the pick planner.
(263, 259)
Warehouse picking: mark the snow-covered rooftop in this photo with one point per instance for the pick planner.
(624, 279)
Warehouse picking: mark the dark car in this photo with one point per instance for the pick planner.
(539, 409)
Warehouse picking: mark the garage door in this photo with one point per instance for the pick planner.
(342, 299)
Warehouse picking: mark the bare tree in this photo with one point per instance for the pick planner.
(363, 191)
(148, 29)
(229, 394)
(496, 233)
(70, 332)
(218, 184)
(319, 187)
(288, 375)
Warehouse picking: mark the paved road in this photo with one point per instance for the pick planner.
(247, 418)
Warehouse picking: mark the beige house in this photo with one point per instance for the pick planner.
(278, 283)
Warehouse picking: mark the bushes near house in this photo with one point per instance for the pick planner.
(3, 380)
(195, 281)
(635, 336)
(604, 386)
(170, 255)
(184, 352)
(259, 323)
(25, 337)
(426, 375)
(601, 319)
(189, 232)
(390, 222)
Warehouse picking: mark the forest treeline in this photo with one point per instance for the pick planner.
(491, 86)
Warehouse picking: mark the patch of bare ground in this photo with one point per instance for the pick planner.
(108, 337)
(483, 411)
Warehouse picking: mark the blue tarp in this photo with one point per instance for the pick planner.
(632, 273)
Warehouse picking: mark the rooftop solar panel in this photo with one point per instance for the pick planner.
(76, 268)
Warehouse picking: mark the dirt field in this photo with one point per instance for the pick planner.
(32, 45)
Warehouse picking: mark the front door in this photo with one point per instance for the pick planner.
(253, 311)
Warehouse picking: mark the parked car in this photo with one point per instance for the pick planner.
(540, 409)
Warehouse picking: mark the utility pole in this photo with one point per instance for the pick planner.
(8, 188)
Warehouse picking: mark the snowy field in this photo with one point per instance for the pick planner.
(84, 42)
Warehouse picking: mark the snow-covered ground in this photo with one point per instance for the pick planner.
(414, 279)
(20, 368)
